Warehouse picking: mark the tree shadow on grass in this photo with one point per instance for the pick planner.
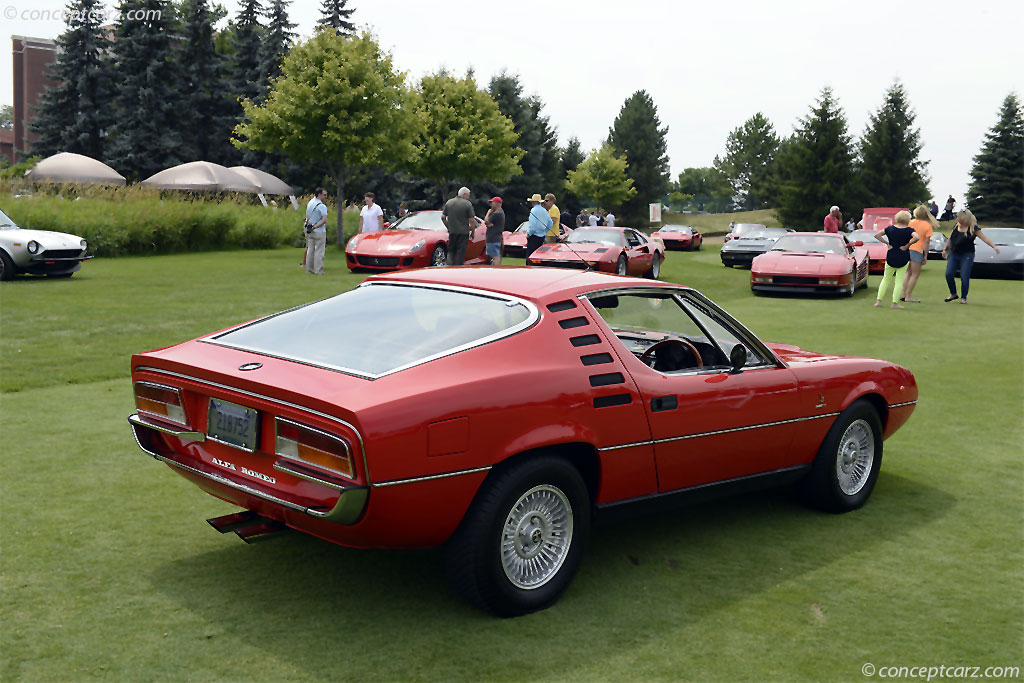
(391, 614)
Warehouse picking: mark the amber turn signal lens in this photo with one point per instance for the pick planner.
(313, 447)
(160, 400)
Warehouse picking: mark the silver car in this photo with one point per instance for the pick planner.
(39, 252)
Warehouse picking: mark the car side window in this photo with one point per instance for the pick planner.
(632, 239)
(723, 334)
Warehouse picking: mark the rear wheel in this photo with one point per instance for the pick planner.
(7, 270)
(846, 467)
(522, 539)
(655, 270)
(622, 267)
(440, 256)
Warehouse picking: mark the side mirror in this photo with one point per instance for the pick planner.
(858, 243)
(387, 225)
(737, 359)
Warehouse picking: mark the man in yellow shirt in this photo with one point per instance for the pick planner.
(556, 218)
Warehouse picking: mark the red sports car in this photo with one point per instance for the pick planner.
(624, 251)
(514, 243)
(389, 416)
(879, 217)
(679, 237)
(811, 262)
(876, 250)
(416, 240)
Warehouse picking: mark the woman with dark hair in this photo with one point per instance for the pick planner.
(959, 253)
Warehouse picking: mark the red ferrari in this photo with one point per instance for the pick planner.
(514, 243)
(623, 251)
(679, 237)
(879, 217)
(811, 262)
(416, 240)
(388, 416)
(876, 250)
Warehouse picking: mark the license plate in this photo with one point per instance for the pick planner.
(232, 424)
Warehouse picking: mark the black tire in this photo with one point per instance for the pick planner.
(483, 558)
(848, 292)
(622, 266)
(7, 269)
(845, 470)
(439, 257)
(655, 270)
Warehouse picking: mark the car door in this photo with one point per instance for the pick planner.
(639, 252)
(477, 241)
(707, 423)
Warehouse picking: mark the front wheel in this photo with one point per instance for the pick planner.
(522, 539)
(622, 267)
(440, 256)
(655, 270)
(846, 467)
(7, 270)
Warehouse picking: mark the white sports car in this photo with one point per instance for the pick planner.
(39, 252)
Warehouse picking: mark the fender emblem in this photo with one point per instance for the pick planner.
(250, 366)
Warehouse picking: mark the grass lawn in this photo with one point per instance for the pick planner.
(108, 570)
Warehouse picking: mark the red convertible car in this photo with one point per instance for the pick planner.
(624, 251)
(388, 417)
(415, 240)
(811, 262)
(679, 237)
(514, 243)
(876, 250)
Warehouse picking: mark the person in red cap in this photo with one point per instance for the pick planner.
(495, 221)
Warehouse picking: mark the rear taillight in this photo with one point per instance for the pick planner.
(160, 400)
(313, 447)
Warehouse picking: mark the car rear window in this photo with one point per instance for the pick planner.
(377, 329)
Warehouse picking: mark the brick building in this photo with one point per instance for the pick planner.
(32, 59)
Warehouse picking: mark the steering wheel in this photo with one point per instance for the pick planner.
(647, 356)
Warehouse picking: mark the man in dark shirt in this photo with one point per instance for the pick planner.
(495, 222)
(459, 219)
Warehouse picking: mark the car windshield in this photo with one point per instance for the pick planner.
(421, 220)
(763, 234)
(1005, 237)
(377, 329)
(6, 223)
(612, 238)
(523, 227)
(676, 228)
(741, 228)
(810, 244)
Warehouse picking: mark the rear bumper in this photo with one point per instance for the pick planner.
(799, 289)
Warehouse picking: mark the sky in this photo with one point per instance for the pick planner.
(708, 66)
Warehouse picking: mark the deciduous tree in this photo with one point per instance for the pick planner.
(749, 155)
(339, 103)
(602, 178)
(818, 160)
(708, 188)
(462, 135)
(891, 172)
(637, 135)
(996, 192)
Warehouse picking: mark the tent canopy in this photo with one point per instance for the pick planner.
(74, 169)
(201, 176)
(268, 184)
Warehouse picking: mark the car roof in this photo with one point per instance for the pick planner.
(522, 281)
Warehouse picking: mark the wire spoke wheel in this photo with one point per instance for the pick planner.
(854, 458)
(536, 537)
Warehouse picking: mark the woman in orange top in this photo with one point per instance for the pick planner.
(924, 225)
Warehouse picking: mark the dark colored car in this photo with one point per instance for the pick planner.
(1008, 263)
(742, 250)
(739, 228)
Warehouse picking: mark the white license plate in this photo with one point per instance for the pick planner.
(232, 424)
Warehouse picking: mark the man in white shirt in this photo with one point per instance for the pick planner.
(371, 216)
(609, 220)
(593, 219)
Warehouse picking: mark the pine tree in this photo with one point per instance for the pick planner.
(819, 166)
(147, 134)
(248, 80)
(891, 172)
(277, 38)
(210, 108)
(637, 135)
(334, 14)
(749, 154)
(571, 158)
(74, 115)
(996, 192)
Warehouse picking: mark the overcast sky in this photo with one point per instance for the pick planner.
(708, 66)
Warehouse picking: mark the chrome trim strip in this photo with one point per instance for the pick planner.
(532, 318)
(715, 432)
(283, 467)
(396, 482)
(362, 446)
(900, 405)
(346, 510)
(183, 435)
